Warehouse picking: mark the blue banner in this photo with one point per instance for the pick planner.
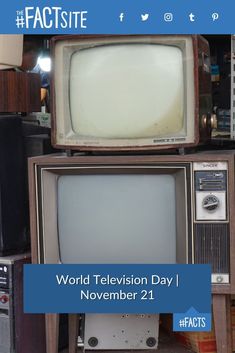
(117, 288)
(117, 17)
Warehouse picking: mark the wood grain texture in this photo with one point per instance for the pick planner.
(52, 333)
(222, 322)
(73, 332)
(19, 92)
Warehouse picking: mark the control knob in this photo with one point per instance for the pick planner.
(4, 299)
(210, 202)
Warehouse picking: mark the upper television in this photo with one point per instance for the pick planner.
(114, 93)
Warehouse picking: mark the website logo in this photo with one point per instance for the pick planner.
(50, 17)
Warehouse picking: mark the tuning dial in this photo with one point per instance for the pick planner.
(210, 203)
(219, 279)
(4, 299)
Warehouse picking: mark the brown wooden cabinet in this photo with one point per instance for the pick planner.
(19, 92)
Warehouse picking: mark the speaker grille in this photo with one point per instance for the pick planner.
(211, 246)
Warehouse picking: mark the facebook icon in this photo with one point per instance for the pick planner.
(121, 16)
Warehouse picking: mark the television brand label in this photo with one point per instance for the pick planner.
(197, 166)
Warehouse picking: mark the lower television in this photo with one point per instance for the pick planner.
(136, 209)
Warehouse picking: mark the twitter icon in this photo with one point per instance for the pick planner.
(144, 17)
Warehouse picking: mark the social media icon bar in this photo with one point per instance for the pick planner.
(144, 17)
(168, 17)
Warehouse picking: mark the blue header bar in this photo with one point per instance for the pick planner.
(118, 17)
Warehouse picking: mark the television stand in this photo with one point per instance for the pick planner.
(68, 153)
(222, 323)
(181, 151)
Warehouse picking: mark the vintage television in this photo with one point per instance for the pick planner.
(128, 93)
(11, 50)
(132, 209)
(135, 209)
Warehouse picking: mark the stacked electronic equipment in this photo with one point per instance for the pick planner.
(133, 112)
(20, 95)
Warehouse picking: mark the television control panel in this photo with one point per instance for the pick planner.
(4, 275)
(211, 218)
(210, 185)
(4, 300)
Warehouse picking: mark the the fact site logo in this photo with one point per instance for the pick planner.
(50, 17)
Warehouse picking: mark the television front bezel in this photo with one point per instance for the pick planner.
(38, 164)
(47, 211)
(199, 46)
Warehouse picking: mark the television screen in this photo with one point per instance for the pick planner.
(119, 91)
(129, 92)
(134, 216)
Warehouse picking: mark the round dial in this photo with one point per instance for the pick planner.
(3, 299)
(210, 202)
